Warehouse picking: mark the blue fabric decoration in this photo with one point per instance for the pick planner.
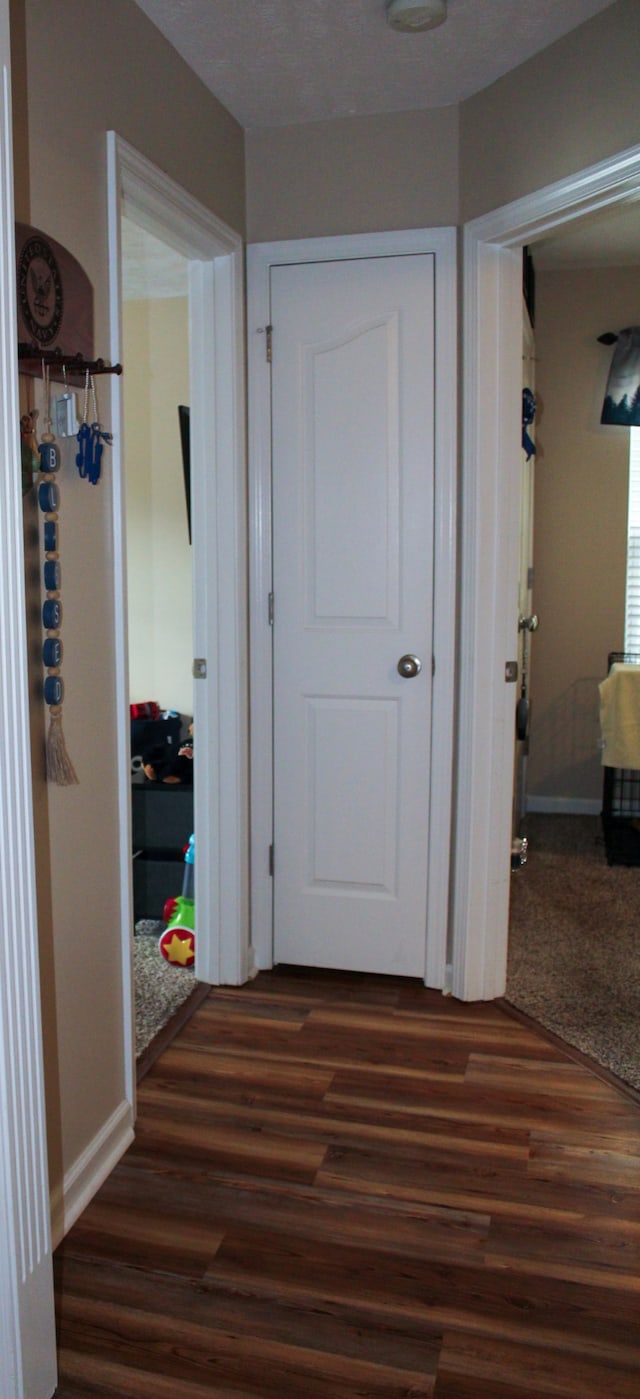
(528, 415)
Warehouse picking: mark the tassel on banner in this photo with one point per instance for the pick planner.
(60, 769)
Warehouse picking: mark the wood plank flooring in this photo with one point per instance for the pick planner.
(350, 1186)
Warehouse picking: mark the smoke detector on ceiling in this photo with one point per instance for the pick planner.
(412, 16)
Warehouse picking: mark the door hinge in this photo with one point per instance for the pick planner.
(270, 609)
(269, 342)
(271, 861)
(531, 578)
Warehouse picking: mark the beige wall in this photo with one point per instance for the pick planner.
(568, 107)
(98, 66)
(156, 350)
(93, 66)
(581, 489)
(355, 175)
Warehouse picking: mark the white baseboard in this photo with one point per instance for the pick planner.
(565, 806)
(90, 1171)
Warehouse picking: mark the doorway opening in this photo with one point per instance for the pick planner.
(153, 203)
(156, 388)
(572, 939)
(492, 343)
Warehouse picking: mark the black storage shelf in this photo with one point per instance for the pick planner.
(162, 822)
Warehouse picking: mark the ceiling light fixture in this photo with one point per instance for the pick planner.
(412, 16)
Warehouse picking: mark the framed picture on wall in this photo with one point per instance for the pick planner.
(622, 399)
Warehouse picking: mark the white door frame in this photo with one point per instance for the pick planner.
(490, 505)
(27, 1327)
(216, 354)
(261, 257)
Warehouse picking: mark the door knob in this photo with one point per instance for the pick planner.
(408, 666)
(528, 623)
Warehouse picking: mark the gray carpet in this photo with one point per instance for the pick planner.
(160, 989)
(574, 942)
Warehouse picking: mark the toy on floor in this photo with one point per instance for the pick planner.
(178, 941)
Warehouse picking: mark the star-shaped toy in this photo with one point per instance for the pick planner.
(178, 946)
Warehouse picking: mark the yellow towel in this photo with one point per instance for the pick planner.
(620, 716)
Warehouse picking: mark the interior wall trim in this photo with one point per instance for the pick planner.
(159, 202)
(90, 1170)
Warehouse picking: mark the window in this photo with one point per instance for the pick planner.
(632, 611)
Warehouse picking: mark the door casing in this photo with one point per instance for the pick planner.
(261, 258)
(27, 1321)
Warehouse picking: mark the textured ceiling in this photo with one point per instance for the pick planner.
(610, 238)
(274, 62)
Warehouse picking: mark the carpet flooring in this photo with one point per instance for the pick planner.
(574, 942)
(160, 988)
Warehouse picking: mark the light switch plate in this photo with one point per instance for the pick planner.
(66, 417)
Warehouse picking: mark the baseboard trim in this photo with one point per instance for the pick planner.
(90, 1171)
(565, 806)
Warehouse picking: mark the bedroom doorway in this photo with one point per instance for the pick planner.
(214, 256)
(156, 389)
(492, 340)
(571, 919)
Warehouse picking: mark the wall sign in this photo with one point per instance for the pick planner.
(55, 298)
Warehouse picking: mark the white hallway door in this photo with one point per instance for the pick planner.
(353, 484)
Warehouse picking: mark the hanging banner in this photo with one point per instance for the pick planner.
(622, 400)
(55, 300)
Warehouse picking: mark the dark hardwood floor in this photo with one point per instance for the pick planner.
(348, 1186)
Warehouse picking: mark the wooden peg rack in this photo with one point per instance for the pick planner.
(74, 366)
